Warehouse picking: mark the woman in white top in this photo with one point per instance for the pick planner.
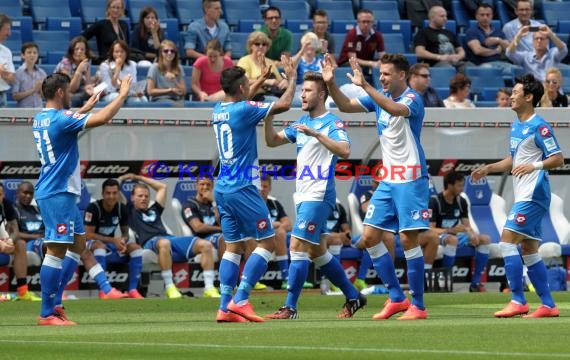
(459, 88)
(115, 68)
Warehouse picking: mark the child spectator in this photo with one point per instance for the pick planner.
(29, 77)
(503, 97)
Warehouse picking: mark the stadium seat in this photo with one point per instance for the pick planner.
(554, 11)
(487, 210)
(91, 10)
(42, 9)
(239, 44)
(50, 40)
(247, 26)
(170, 27)
(54, 57)
(72, 25)
(183, 190)
(403, 27)
(85, 198)
(23, 24)
(502, 12)
(340, 75)
(337, 9)
(292, 9)
(11, 188)
(383, 10)
(459, 14)
(298, 26)
(555, 225)
(394, 43)
(134, 8)
(342, 26)
(484, 77)
(359, 187)
(234, 10)
(188, 11)
(563, 26)
(440, 76)
(12, 8)
(127, 189)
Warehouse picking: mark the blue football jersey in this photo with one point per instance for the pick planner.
(236, 138)
(55, 133)
(315, 163)
(402, 153)
(531, 141)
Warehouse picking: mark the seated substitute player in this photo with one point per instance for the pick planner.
(201, 215)
(320, 139)
(146, 222)
(101, 219)
(449, 225)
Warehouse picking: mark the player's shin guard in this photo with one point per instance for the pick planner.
(98, 274)
(415, 262)
(283, 264)
(481, 258)
(539, 278)
(449, 253)
(135, 268)
(229, 274)
(514, 271)
(101, 257)
(365, 264)
(384, 266)
(333, 270)
(70, 262)
(254, 269)
(50, 275)
(298, 270)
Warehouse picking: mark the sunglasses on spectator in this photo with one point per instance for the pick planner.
(169, 51)
(426, 76)
(553, 82)
(260, 44)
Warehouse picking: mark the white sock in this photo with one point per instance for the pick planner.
(209, 279)
(167, 277)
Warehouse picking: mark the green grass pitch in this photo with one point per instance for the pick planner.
(460, 326)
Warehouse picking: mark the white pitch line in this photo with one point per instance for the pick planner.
(306, 348)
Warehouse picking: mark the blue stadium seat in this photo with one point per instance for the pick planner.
(403, 27)
(299, 26)
(91, 10)
(11, 188)
(84, 198)
(459, 14)
(183, 190)
(248, 26)
(487, 209)
(485, 103)
(394, 43)
(484, 77)
(54, 57)
(450, 25)
(50, 40)
(239, 45)
(142, 71)
(24, 25)
(432, 188)
(42, 9)
(554, 11)
(75, 8)
(188, 11)
(502, 12)
(170, 27)
(134, 8)
(440, 76)
(489, 94)
(234, 10)
(127, 189)
(292, 9)
(442, 92)
(49, 68)
(338, 41)
(337, 9)
(342, 26)
(12, 8)
(383, 10)
(14, 43)
(563, 26)
(340, 75)
(555, 226)
(72, 25)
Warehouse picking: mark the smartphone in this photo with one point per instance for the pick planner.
(533, 28)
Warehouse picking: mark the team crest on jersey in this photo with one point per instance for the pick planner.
(88, 216)
(336, 214)
(339, 124)
(302, 225)
(187, 212)
(311, 227)
(261, 224)
(416, 215)
(525, 130)
(61, 229)
(79, 116)
(544, 131)
(520, 219)
(274, 212)
(115, 220)
(456, 213)
(68, 113)
(150, 217)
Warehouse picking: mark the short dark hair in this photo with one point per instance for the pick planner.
(317, 78)
(272, 8)
(29, 45)
(123, 44)
(451, 178)
(4, 19)
(484, 6)
(110, 183)
(320, 12)
(531, 86)
(52, 83)
(25, 184)
(458, 82)
(398, 60)
(231, 79)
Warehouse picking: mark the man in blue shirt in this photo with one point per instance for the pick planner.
(209, 27)
(243, 213)
(533, 151)
(55, 131)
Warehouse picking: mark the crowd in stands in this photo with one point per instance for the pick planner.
(128, 37)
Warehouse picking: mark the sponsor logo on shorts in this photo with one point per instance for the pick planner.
(311, 227)
(520, 219)
(261, 225)
(61, 229)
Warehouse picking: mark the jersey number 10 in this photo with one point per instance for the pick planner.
(224, 140)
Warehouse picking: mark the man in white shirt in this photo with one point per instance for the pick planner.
(524, 14)
(7, 70)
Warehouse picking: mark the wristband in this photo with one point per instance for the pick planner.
(538, 165)
(214, 204)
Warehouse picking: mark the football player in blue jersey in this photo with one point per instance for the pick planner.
(243, 213)
(55, 131)
(399, 204)
(533, 151)
(321, 139)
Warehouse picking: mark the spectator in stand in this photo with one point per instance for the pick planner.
(115, 69)
(503, 98)
(206, 73)
(363, 43)
(419, 80)
(146, 37)
(485, 44)
(7, 70)
(165, 79)
(281, 38)
(255, 65)
(29, 77)
(459, 88)
(471, 6)
(320, 28)
(524, 13)
(9, 222)
(309, 58)
(542, 56)
(417, 11)
(209, 27)
(76, 65)
(553, 95)
(438, 46)
(109, 30)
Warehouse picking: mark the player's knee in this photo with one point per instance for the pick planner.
(484, 239)
(98, 245)
(204, 246)
(451, 240)
(20, 247)
(163, 245)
